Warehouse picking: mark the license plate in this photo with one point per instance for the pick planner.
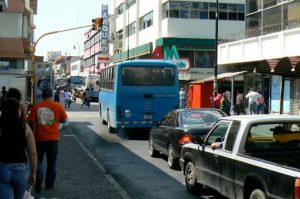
(147, 117)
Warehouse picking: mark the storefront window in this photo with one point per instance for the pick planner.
(275, 93)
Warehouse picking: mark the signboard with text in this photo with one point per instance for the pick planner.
(104, 31)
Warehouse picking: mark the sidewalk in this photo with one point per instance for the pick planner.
(79, 174)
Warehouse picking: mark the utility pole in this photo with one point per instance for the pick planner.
(33, 56)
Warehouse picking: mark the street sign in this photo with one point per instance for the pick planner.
(104, 58)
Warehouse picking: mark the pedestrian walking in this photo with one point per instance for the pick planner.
(238, 103)
(252, 97)
(16, 138)
(216, 100)
(57, 95)
(225, 104)
(182, 98)
(86, 98)
(261, 105)
(67, 97)
(15, 93)
(44, 119)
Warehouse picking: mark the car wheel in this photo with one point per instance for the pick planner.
(172, 161)
(190, 179)
(153, 152)
(257, 194)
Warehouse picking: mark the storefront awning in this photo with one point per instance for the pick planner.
(219, 77)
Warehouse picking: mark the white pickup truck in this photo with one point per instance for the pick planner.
(258, 158)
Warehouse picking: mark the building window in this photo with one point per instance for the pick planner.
(212, 10)
(269, 3)
(146, 21)
(203, 10)
(119, 9)
(203, 14)
(132, 28)
(131, 2)
(165, 10)
(223, 11)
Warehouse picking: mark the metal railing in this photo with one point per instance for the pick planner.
(255, 32)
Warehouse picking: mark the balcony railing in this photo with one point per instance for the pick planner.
(255, 32)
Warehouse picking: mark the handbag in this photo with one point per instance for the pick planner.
(27, 194)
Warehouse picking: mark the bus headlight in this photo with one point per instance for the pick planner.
(128, 113)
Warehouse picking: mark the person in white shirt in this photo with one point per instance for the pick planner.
(238, 103)
(252, 96)
(182, 96)
(67, 97)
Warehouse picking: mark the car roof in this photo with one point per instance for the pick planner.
(263, 118)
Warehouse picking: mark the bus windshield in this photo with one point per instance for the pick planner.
(147, 76)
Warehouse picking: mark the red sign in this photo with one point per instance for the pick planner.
(104, 58)
(158, 53)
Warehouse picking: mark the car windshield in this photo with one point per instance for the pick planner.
(199, 118)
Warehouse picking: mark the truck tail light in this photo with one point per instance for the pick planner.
(297, 188)
(185, 139)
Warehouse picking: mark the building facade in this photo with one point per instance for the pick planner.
(16, 41)
(183, 31)
(269, 53)
(92, 50)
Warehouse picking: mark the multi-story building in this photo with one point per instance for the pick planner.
(16, 39)
(269, 52)
(180, 30)
(91, 51)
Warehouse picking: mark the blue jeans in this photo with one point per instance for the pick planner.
(13, 180)
(50, 148)
(252, 108)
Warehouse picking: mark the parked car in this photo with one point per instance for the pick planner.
(258, 158)
(179, 127)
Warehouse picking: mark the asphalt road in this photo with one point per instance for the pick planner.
(125, 156)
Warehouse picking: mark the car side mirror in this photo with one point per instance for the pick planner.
(198, 140)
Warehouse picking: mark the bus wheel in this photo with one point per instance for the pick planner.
(103, 122)
(110, 128)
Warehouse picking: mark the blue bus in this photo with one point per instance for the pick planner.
(137, 93)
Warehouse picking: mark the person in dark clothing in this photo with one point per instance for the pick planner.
(15, 93)
(16, 138)
(56, 95)
(86, 98)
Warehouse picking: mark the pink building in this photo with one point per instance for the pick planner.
(92, 51)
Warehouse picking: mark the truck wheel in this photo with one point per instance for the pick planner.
(257, 194)
(172, 161)
(153, 152)
(190, 179)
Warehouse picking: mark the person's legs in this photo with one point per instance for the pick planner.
(6, 190)
(52, 150)
(41, 149)
(19, 179)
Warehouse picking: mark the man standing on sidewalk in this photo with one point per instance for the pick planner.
(44, 120)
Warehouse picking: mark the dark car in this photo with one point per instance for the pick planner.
(178, 128)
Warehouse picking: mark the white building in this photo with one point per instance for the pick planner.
(76, 67)
(181, 30)
(269, 52)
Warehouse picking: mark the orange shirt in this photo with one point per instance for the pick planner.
(47, 115)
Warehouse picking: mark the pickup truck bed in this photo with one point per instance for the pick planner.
(284, 158)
